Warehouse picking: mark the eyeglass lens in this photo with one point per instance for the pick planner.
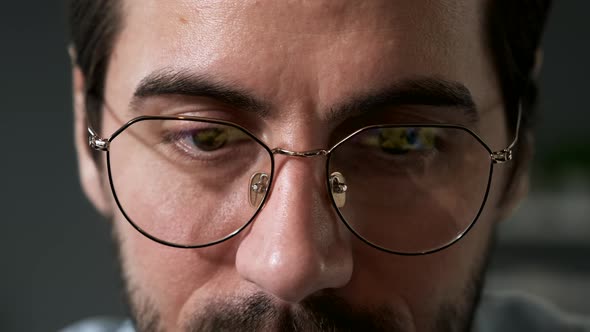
(412, 189)
(186, 182)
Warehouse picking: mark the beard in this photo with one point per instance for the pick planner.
(320, 312)
(323, 311)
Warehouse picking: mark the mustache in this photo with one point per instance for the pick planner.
(320, 312)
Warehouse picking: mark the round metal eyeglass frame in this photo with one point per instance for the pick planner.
(496, 157)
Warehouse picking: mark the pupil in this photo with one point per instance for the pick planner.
(210, 139)
(411, 136)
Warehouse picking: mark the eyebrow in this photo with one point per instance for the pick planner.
(169, 82)
(418, 91)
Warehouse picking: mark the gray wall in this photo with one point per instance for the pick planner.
(56, 255)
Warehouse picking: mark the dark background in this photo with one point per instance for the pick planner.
(56, 258)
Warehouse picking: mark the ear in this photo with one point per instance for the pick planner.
(517, 178)
(89, 169)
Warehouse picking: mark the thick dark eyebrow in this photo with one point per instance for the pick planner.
(183, 82)
(419, 91)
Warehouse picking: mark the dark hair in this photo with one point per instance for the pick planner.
(514, 33)
(94, 25)
(515, 29)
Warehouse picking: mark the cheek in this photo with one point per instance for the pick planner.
(165, 276)
(424, 283)
(169, 278)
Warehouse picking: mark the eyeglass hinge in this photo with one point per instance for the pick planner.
(500, 157)
(98, 143)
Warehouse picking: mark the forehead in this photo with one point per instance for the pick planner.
(290, 18)
(334, 47)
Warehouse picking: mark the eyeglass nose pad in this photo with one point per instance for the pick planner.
(258, 188)
(338, 187)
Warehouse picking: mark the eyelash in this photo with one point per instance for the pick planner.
(174, 140)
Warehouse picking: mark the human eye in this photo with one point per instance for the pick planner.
(207, 139)
(205, 142)
(401, 142)
(394, 151)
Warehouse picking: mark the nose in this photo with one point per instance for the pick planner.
(297, 244)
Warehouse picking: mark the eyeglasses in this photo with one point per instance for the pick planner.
(192, 182)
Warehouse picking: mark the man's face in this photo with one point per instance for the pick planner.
(297, 265)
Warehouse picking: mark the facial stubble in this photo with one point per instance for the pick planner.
(323, 311)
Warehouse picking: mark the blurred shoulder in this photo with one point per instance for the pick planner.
(101, 324)
(516, 311)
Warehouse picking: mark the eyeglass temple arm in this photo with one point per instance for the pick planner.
(506, 154)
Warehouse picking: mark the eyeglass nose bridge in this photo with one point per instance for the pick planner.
(259, 182)
(302, 154)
